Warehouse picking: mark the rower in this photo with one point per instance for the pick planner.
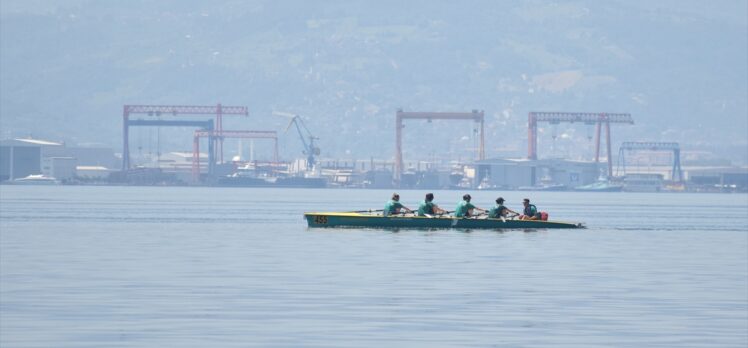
(393, 206)
(499, 210)
(428, 207)
(465, 208)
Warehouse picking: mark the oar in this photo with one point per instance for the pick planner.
(437, 215)
(365, 211)
(511, 217)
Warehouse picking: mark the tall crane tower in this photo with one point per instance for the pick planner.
(571, 117)
(651, 146)
(307, 139)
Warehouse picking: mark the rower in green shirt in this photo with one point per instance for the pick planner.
(499, 210)
(465, 208)
(393, 206)
(428, 207)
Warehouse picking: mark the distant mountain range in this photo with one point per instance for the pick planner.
(679, 67)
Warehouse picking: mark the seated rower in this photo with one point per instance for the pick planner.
(499, 210)
(428, 207)
(530, 212)
(393, 206)
(465, 208)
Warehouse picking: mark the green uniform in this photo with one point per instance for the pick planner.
(531, 210)
(495, 212)
(462, 208)
(426, 208)
(391, 207)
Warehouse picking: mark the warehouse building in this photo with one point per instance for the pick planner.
(20, 158)
(517, 173)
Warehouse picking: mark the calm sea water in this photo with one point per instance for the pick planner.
(214, 267)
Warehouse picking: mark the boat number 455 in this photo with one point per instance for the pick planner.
(320, 219)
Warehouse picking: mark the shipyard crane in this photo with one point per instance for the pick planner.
(588, 118)
(177, 110)
(652, 146)
(475, 115)
(310, 149)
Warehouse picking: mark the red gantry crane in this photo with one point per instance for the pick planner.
(475, 115)
(177, 110)
(588, 118)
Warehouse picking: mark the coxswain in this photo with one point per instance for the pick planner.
(530, 212)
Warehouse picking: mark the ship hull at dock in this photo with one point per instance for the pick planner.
(291, 182)
(445, 222)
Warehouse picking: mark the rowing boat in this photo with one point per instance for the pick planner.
(359, 219)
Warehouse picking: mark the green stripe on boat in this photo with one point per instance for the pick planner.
(355, 219)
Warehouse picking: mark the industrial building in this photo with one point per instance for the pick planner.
(60, 168)
(523, 173)
(724, 179)
(20, 158)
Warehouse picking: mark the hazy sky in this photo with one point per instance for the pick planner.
(679, 67)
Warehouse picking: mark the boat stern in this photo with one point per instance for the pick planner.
(317, 219)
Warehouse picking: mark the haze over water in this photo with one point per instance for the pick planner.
(122, 266)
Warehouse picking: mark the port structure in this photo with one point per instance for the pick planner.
(178, 110)
(651, 146)
(213, 134)
(205, 125)
(400, 116)
(310, 149)
(599, 119)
